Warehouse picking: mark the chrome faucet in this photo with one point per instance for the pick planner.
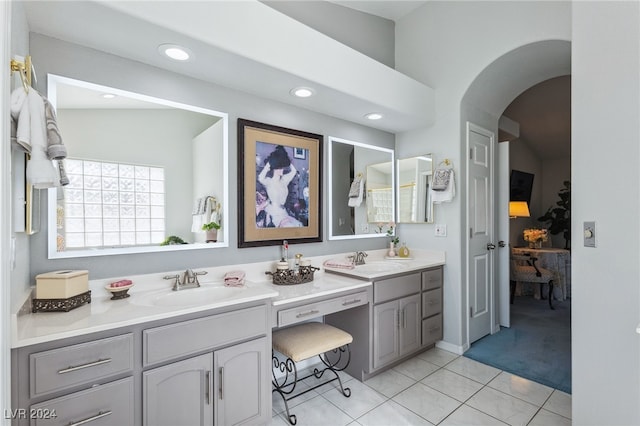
(189, 279)
(358, 257)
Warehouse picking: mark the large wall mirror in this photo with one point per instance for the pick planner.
(144, 174)
(356, 213)
(414, 189)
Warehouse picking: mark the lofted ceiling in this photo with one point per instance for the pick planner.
(544, 115)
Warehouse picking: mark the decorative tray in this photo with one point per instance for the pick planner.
(304, 274)
(64, 305)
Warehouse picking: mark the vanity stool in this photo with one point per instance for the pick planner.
(302, 342)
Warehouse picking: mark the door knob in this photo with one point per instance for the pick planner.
(491, 246)
(501, 244)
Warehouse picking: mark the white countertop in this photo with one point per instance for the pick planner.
(377, 265)
(105, 314)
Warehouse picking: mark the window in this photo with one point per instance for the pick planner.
(111, 205)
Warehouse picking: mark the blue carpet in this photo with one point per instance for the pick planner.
(537, 346)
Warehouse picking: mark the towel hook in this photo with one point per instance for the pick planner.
(24, 68)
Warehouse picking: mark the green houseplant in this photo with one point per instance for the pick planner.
(559, 218)
(211, 230)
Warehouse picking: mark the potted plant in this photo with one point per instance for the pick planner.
(559, 218)
(211, 230)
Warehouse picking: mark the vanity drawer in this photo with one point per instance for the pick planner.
(62, 368)
(432, 279)
(103, 405)
(188, 337)
(432, 329)
(394, 288)
(431, 302)
(325, 307)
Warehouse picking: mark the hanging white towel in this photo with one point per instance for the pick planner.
(447, 194)
(40, 171)
(20, 120)
(357, 188)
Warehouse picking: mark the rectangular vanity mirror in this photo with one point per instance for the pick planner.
(357, 213)
(415, 204)
(145, 174)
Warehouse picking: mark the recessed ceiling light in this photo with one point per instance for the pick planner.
(302, 92)
(175, 52)
(108, 95)
(373, 116)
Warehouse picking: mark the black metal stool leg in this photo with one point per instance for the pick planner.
(551, 294)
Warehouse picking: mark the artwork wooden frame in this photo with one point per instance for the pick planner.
(280, 185)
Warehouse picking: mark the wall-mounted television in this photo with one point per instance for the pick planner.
(521, 184)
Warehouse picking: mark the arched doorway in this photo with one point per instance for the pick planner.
(483, 103)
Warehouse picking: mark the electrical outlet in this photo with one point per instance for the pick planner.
(440, 230)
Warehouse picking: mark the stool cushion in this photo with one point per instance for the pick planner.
(309, 339)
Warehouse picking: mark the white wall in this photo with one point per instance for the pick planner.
(447, 45)
(606, 137)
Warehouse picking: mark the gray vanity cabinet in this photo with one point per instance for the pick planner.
(179, 393)
(209, 368)
(226, 384)
(431, 306)
(396, 318)
(230, 382)
(239, 397)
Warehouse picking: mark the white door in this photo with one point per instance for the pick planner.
(480, 270)
(504, 246)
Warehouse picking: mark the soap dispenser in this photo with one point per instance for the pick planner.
(403, 251)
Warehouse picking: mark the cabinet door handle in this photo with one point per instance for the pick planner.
(80, 367)
(207, 393)
(352, 302)
(221, 382)
(100, 415)
(306, 314)
(404, 320)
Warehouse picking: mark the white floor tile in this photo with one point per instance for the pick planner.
(278, 420)
(392, 413)
(504, 407)
(362, 399)
(547, 418)
(438, 356)
(390, 383)
(320, 412)
(519, 387)
(560, 403)
(474, 370)
(416, 368)
(426, 402)
(278, 404)
(452, 384)
(468, 416)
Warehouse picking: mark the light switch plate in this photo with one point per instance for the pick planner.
(440, 230)
(589, 231)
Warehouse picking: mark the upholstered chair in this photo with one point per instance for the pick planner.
(524, 269)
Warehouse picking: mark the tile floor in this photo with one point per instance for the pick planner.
(433, 388)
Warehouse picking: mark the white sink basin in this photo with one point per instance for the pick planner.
(193, 296)
(380, 266)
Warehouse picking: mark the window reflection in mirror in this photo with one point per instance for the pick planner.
(142, 172)
(414, 184)
(350, 211)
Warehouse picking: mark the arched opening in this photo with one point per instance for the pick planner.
(492, 91)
